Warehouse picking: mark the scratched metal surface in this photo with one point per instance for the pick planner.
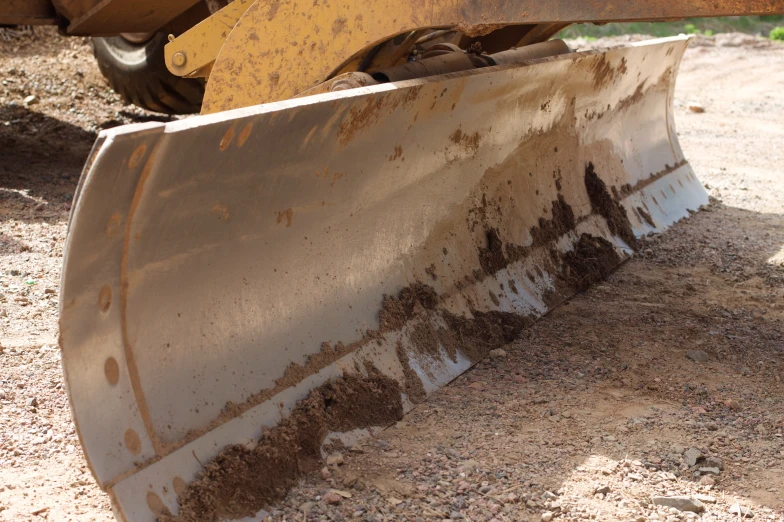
(208, 255)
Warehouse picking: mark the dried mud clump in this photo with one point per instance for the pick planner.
(592, 260)
(551, 229)
(476, 336)
(397, 310)
(497, 255)
(492, 258)
(609, 208)
(646, 216)
(241, 480)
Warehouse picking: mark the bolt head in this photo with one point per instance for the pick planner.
(179, 59)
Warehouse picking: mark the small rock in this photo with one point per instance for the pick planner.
(714, 462)
(707, 480)
(305, 507)
(468, 465)
(50, 291)
(350, 480)
(691, 456)
(332, 498)
(394, 501)
(762, 430)
(699, 109)
(680, 503)
(705, 499)
(30, 100)
(710, 471)
(602, 490)
(732, 404)
(740, 511)
(547, 516)
(336, 459)
(498, 353)
(32, 402)
(698, 356)
(325, 474)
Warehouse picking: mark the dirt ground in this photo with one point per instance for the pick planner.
(595, 411)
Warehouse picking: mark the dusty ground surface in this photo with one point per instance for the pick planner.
(592, 413)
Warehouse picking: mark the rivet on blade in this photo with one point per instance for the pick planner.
(112, 370)
(132, 442)
(105, 298)
(179, 486)
(156, 505)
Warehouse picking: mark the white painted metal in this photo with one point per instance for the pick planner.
(235, 244)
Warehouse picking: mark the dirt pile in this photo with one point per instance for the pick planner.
(242, 480)
(592, 260)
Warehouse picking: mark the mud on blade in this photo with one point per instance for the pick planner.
(353, 251)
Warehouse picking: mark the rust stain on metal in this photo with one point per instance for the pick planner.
(360, 119)
(604, 72)
(221, 211)
(470, 142)
(226, 140)
(398, 153)
(113, 225)
(473, 30)
(332, 177)
(628, 189)
(130, 357)
(285, 216)
(244, 134)
(137, 156)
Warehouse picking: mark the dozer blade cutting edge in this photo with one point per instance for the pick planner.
(315, 267)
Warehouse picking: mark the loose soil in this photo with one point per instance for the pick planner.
(586, 414)
(241, 480)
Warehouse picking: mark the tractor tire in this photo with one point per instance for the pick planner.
(136, 69)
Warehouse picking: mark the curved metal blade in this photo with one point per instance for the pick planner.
(219, 269)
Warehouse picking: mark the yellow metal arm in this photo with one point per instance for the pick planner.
(266, 50)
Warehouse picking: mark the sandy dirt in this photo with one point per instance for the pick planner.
(594, 411)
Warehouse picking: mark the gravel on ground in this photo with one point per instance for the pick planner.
(654, 396)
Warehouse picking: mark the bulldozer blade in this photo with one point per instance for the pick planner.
(241, 287)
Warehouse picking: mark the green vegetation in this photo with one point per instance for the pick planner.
(759, 25)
